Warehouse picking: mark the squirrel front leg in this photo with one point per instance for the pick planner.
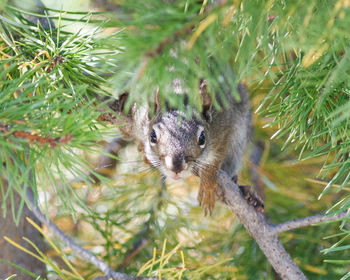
(207, 188)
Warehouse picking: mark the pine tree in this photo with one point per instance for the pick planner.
(55, 84)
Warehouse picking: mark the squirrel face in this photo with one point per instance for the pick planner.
(209, 140)
(175, 143)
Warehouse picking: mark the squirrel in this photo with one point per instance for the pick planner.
(202, 144)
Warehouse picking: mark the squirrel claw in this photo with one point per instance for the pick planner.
(252, 199)
(206, 199)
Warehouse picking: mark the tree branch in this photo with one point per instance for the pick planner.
(35, 138)
(264, 233)
(143, 235)
(77, 249)
(257, 226)
(307, 221)
(106, 162)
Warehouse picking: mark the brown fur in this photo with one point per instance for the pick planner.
(226, 134)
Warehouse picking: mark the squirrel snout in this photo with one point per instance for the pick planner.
(176, 163)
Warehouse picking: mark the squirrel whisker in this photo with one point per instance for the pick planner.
(209, 140)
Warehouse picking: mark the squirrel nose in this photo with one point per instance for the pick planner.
(176, 163)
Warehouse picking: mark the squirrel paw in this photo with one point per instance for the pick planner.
(206, 199)
(252, 198)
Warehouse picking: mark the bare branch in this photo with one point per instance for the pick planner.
(77, 249)
(257, 226)
(35, 138)
(106, 162)
(264, 233)
(143, 235)
(307, 221)
(137, 247)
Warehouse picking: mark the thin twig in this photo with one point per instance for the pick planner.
(77, 249)
(35, 138)
(137, 247)
(184, 31)
(143, 235)
(307, 221)
(264, 233)
(107, 161)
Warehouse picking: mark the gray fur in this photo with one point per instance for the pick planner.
(226, 134)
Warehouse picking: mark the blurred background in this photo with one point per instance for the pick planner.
(132, 219)
(133, 214)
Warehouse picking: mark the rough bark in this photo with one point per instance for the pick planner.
(257, 226)
(24, 229)
(264, 233)
(78, 250)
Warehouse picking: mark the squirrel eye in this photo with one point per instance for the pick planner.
(153, 137)
(201, 139)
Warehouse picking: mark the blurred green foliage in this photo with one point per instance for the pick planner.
(292, 55)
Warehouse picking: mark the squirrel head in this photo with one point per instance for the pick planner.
(177, 144)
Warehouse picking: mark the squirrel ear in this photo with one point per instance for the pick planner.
(157, 103)
(118, 105)
(122, 100)
(207, 102)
